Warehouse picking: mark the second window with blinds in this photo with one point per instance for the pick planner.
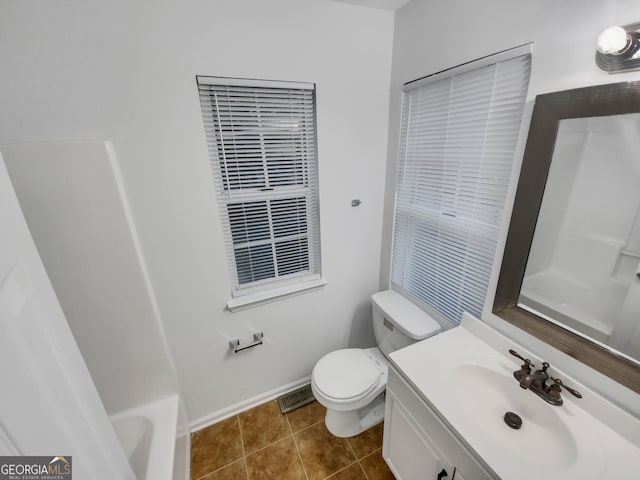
(262, 147)
(458, 142)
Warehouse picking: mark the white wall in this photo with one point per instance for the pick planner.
(432, 35)
(126, 71)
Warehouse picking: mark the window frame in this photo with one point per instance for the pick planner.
(266, 198)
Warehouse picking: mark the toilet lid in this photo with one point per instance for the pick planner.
(345, 374)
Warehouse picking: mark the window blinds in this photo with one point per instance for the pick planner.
(458, 141)
(262, 146)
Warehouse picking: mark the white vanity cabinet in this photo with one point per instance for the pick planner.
(417, 445)
(446, 400)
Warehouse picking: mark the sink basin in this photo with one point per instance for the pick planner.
(485, 395)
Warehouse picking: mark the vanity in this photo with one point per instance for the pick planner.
(447, 397)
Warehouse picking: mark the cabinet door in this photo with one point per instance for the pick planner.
(411, 455)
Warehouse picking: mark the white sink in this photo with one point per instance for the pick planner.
(471, 385)
(485, 395)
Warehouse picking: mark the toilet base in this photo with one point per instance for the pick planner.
(348, 424)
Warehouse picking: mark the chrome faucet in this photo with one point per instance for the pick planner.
(537, 381)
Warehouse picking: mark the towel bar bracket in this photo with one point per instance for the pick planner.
(235, 343)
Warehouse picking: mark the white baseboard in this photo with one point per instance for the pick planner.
(215, 417)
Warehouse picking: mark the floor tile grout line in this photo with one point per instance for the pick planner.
(248, 454)
(206, 474)
(270, 444)
(352, 449)
(304, 470)
(364, 472)
(342, 469)
(288, 423)
(370, 454)
(244, 451)
(366, 456)
(309, 426)
(337, 471)
(253, 452)
(203, 477)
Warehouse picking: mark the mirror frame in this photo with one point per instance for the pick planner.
(549, 109)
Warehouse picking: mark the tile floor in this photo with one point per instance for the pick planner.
(264, 444)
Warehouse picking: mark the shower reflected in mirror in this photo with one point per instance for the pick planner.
(585, 254)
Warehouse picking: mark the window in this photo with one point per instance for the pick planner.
(262, 147)
(458, 140)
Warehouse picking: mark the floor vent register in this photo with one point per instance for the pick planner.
(296, 399)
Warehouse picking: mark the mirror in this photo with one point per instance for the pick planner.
(585, 254)
(571, 269)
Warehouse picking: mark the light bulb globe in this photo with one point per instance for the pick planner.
(613, 41)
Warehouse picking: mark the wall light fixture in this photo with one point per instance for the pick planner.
(618, 48)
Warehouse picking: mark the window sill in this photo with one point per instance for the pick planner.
(256, 299)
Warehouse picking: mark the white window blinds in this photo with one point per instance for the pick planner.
(262, 147)
(457, 146)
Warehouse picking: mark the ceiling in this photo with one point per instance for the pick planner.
(391, 5)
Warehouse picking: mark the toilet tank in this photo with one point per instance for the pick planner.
(398, 323)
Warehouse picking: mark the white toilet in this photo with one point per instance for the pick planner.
(351, 382)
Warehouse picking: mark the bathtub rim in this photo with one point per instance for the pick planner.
(163, 414)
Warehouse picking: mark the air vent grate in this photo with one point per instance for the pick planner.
(296, 399)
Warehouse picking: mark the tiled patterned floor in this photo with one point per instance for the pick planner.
(264, 444)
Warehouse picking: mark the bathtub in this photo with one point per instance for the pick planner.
(572, 302)
(148, 435)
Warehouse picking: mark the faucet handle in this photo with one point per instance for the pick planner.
(527, 362)
(558, 383)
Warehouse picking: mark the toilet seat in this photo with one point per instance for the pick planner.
(347, 375)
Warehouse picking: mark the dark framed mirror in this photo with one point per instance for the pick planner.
(612, 115)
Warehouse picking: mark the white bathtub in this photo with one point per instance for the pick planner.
(148, 435)
(573, 303)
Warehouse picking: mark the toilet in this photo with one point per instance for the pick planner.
(351, 382)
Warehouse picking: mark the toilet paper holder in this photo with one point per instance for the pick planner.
(235, 343)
